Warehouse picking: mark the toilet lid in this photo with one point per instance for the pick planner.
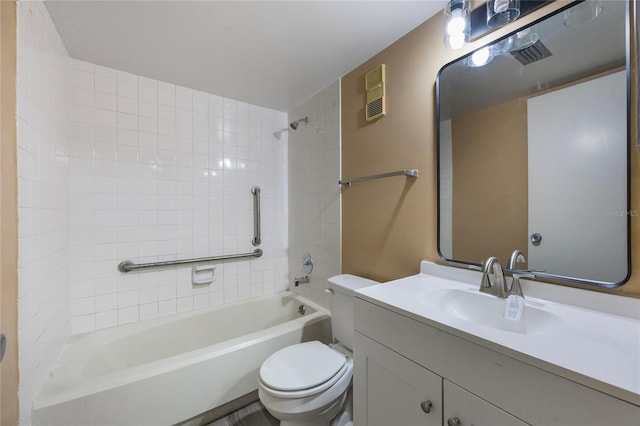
(301, 366)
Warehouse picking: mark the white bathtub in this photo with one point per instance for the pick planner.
(165, 371)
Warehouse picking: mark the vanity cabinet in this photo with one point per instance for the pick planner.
(462, 408)
(402, 362)
(390, 389)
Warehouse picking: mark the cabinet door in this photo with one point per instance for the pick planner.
(390, 390)
(462, 408)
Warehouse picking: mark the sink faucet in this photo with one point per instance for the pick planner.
(498, 287)
(518, 257)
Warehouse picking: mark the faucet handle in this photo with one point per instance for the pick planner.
(516, 288)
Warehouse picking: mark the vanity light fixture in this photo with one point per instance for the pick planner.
(462, 24)
(582, 13)
(456, 24)
(523, 39)
(501, 12)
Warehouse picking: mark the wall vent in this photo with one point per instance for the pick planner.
(374, 84)
(375, 109)
(531, 54)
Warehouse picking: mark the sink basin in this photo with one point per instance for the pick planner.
(593, 339)
(487, 310)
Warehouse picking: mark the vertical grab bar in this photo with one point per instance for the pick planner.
(256, 216)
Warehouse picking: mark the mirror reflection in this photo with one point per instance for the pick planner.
(533, 148)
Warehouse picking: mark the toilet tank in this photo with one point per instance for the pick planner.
(344, 287)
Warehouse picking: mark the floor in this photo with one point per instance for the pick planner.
(251, 415)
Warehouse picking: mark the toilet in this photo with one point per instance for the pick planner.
(309, 383)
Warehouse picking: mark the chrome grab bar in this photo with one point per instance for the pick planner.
(403, 172)
(129, 265)
(256, 216)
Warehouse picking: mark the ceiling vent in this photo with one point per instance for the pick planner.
(531, 54)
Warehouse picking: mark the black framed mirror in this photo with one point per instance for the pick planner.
(533, 147)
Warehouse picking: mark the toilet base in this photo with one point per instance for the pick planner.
(344, 417)
(339, 414)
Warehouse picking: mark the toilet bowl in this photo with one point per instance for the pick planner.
(305, 384)
(309, 383)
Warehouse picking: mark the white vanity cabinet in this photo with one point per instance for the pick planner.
(391, 390)
(402, 362)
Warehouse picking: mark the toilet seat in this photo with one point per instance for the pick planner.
(301, 411)
(310, 391)
(302, 369)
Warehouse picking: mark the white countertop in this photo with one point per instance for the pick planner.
(594, 347)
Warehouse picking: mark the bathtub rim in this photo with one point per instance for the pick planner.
(57, 391)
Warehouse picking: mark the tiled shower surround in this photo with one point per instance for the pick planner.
(43, 199)
(115, 166)
(160, 172)
(314, 193)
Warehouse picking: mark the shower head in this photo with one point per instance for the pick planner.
(294, 124)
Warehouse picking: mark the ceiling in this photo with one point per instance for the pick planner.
(269, 53)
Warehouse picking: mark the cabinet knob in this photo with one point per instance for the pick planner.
(426, 406)
(453, 421)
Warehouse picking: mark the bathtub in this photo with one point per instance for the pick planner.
(168, 370)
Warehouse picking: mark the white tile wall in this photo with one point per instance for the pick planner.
(43, 199)
(314, 193)
(112, 166)
(158, 172)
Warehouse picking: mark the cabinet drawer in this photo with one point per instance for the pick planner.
(462, 408)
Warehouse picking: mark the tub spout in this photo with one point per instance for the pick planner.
(301, 280)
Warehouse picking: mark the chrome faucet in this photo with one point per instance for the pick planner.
(518, 257)
(498, 287)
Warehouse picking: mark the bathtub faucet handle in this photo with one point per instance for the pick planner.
(301, 280)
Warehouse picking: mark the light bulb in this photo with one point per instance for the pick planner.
(456, 40)
(500, 6)
(481, 57)
(457, 24)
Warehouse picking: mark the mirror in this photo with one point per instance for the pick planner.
(533, 148)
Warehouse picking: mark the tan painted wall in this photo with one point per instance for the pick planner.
(480, 137)
(8, 215)
(389, 225)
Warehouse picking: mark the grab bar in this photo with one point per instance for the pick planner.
(256, 216)
(403, 172)
(128, 265)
